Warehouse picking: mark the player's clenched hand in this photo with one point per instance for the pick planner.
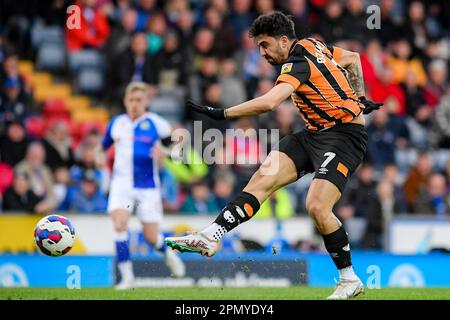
(369, 105)
(218, 114)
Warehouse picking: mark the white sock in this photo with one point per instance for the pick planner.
(126, 270)
(347, 273)
(214, 232)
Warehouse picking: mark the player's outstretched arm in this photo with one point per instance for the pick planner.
(262, 104)
(351, 62)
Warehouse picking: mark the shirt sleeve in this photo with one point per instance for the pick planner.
(336, 52)
(108, 139)
(162, 126)
(295, 71)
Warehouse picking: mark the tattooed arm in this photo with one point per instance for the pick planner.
(351, 62)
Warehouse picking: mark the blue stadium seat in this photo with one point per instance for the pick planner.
(47, 34)
(85, 59)
(168, 107)
(89, 80)
(51, 57)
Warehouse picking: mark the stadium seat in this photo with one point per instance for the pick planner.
(440, 158)
(46, 34)
(77, 103)
(85, 59)
(54, 106)
(26, 68)
(35, 126)
(40, 79)
(51, 57)
(89, 80)
(58, 91)
(168, 107)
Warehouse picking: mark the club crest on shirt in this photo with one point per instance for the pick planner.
(287, 67)
(145, 125)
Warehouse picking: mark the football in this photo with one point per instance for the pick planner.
(54, 235)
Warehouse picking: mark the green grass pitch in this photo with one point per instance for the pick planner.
(197, 293)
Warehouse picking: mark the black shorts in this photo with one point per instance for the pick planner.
(333, 154)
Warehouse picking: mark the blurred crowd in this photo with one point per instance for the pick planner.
(200, 50)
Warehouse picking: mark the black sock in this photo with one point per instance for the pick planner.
(338, 247)
(241, 209)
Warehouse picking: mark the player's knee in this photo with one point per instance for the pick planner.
(316, 208)
(264, 182)
(120, 225)
(150, 238)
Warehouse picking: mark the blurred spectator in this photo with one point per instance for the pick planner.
(385, 134)
(244, 150)
(90, 161)
(93, 31)
(62, 184)
(241, 16)
(13, 146)
(203, 46)
(6, 177)
(190, 166)
(157, 26)
(185, 27)
(58, 146)
(92, 140)
(299, 11)
(440, 133)
(417, 179)
(414, 96)
(223, 188)
(389, 27)
(87, 198)
(201, 201)
(372, 60)
(14, 103)
(120, 38)
(403, 62)
(171, 62)
(233, 89)
(285, 119)
(278, 206)
(264, 6)
(39, 175)
(385, 90)
(20, 198)
(391, 174)
(435, 88)
(354, 21)
(145, 10)
(174, 9)
(248, 59)
(224, 40)
(358, 193)
(331, 25)
(221, 6)
(447, 175)
(380, 210)
(136, 64)
(414, 27)
(434, 199)
(200, 80)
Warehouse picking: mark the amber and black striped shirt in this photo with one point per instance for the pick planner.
(323, 94)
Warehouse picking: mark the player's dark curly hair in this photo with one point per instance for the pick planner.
(276, 24)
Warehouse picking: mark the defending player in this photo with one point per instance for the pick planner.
(326, 85)
(135, 180)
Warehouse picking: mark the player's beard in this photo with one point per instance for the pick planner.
(275, 60)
